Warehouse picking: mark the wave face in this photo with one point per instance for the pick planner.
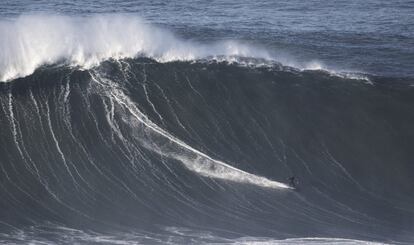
(134, 150)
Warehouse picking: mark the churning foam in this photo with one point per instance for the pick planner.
(31, 41)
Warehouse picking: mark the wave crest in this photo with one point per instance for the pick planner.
(31, 41)
(34, 40)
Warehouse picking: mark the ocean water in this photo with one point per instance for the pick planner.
(180, 122)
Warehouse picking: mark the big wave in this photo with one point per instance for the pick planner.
(167, 149)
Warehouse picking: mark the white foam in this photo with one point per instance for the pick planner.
(304, 240)
(34, 40)
(31, 41)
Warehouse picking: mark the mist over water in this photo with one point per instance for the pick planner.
(162, 123)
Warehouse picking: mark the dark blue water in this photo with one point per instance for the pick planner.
(180, 122)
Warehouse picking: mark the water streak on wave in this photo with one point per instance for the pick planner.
(192, 158)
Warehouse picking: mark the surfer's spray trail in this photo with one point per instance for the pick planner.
(133, 135)
(171, 146)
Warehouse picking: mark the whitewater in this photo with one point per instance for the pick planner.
(31, 41)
